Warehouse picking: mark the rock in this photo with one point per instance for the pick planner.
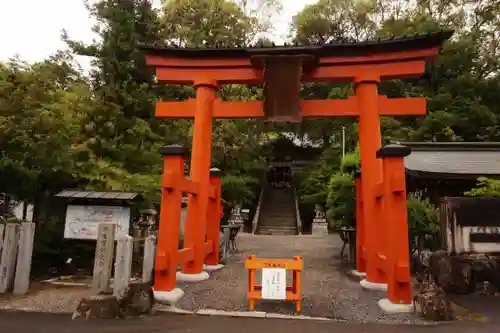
(137, 300)
(432, 303)
(98, 306)
(453, 273)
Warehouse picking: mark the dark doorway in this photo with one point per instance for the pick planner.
(280, 176)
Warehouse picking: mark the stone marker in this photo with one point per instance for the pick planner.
(103, 259)
(123, 265)
(320, 224)
(1, 236)
(9, 255)
(149, 258)
(25, 252)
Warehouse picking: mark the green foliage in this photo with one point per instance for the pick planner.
(341, 192)
(351, 163)
(239, 189)
(341, 201)
(486, 187)
(423, 217)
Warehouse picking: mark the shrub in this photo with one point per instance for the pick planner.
(423, 218)
(341, 193)
(341, 200)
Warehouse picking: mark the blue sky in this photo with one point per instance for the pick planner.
(31, 28)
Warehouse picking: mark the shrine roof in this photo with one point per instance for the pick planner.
(453, 159)
(336, 48)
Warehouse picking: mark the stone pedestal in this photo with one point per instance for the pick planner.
(319, 228)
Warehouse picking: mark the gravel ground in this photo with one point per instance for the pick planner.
(46, 298)
(326, 290)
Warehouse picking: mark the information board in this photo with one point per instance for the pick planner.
(274, 283)
(82, 221)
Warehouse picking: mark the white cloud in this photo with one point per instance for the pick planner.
(32, 28)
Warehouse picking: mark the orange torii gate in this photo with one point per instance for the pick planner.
(282, 70)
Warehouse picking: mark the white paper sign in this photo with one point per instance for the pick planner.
(274, 283)
(82, 221)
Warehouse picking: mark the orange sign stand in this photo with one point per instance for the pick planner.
(258, 292)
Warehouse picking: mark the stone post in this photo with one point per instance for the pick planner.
(149, 258)
(1, 236)
(9, 255)
(23, 268)
(123, 265)
(103, 260)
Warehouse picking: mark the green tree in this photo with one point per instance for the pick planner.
(42, 110)
(486, 187)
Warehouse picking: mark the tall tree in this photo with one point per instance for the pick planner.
(123, 124)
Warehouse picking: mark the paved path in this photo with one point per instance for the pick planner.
(26, 322)
(326, 290)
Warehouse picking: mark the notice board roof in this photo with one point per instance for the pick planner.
(98, 195)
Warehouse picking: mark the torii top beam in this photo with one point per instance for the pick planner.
(283, 69)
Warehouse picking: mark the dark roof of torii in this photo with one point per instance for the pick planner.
(340, 48)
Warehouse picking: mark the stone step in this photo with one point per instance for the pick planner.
(278, 223)
(282, 228)
(273, 206)
(276, 231)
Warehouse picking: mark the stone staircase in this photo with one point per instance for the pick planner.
(277, 216)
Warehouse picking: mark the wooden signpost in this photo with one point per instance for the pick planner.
(274, 280)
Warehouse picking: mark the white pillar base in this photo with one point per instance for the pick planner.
(211, 268)
(168, 297)
(388, 307)
(373, 286)
(197, 277)
(356, 273)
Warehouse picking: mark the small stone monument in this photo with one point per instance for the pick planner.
(236, 216)
(319, 225)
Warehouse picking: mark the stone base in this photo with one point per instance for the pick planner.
(168, 297)
(356, 273)
(373, 286)
(98, 306)
(319, 229)
(197, 277)
(211, 268)
(388, 307)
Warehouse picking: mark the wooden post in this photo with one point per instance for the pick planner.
(360, 229)
(123, 265)
(23, 267)
(149, 258)
(398, 248)
(103, 259)
(197, 208)
(371, 169)
(214, 218)
(9, 255)
(170, 216)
